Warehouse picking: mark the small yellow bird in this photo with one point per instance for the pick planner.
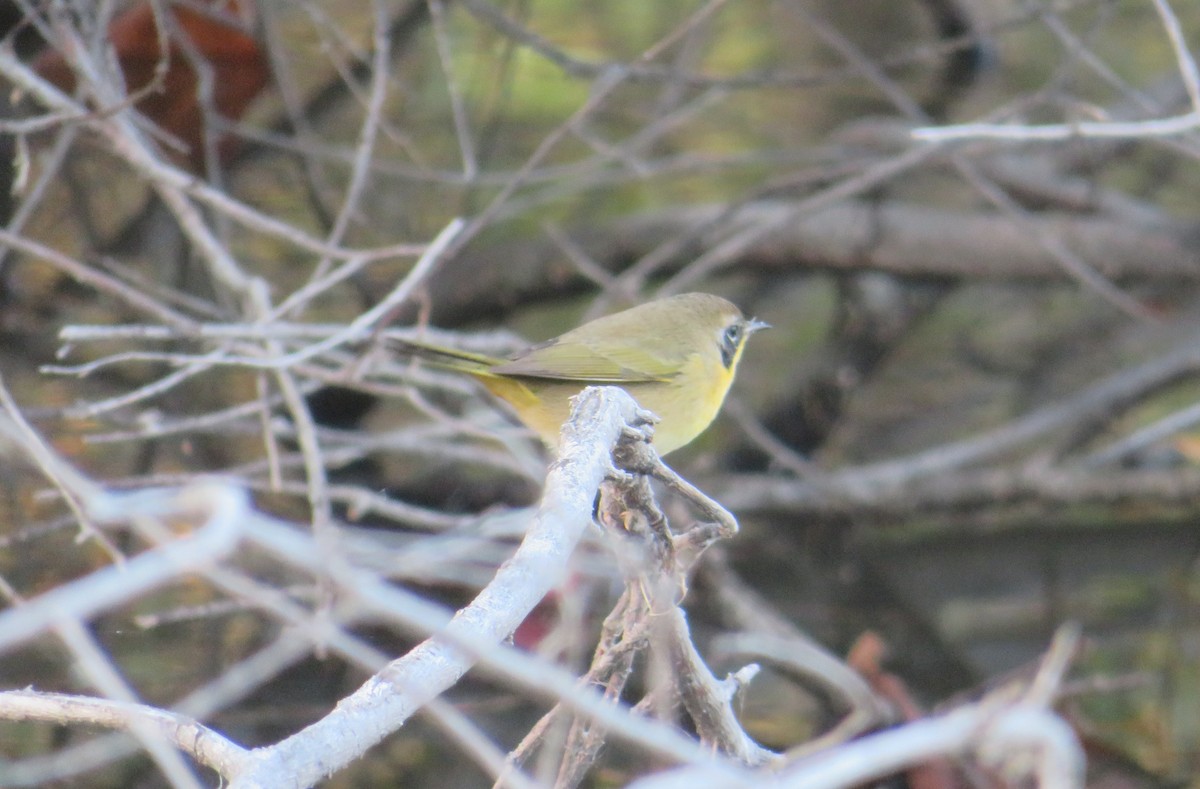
(676, 357)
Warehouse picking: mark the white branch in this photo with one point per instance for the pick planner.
(388, 699)
(1007, 736)
(200, 742)
(225, 511)
(1158, 127)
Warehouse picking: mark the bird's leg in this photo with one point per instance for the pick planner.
(634, 455)
(640, 458)
(627, 506)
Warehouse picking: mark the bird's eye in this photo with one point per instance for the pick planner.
(731, 339)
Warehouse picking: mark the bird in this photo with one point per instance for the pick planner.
(676, 356)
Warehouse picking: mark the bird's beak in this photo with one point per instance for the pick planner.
(754, 324)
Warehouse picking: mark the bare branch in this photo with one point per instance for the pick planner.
(391, 696)
(200, 742)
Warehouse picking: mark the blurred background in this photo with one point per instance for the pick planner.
(974, 420)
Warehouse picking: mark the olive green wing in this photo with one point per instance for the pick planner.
(567, 359)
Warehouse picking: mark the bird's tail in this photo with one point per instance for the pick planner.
(445, 358)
